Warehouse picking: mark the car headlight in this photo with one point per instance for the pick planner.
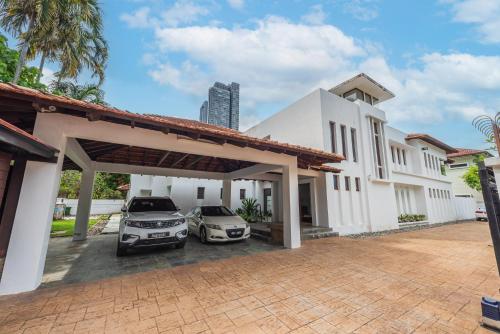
(133, 223)
(179, 221)
(214, 226)
(181, 234)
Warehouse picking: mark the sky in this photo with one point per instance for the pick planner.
(440, 57)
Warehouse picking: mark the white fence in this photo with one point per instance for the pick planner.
(99, 206)
(465, 207)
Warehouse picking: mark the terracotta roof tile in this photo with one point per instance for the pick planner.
(467, 151)
(40, 97)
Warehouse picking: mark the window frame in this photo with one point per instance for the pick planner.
(336, 181)
(343, 138)
(347, 183)
(354, 144)
(333, 136)
(243, 193)
(357, 183)
(200, 195)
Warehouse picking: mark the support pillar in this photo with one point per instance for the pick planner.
(291, 216)
(226, 193)
(84, 205)
(323, 217)
(25, 260)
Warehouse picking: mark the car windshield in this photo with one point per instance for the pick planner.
(215, 211)
(152, 204)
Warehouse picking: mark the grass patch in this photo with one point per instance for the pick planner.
(65, 227)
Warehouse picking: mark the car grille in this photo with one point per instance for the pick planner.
(235, 232)
(160, 223)
(159, 241)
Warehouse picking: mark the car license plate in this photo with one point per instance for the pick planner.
(158, 235)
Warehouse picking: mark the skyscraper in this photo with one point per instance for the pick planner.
(223, 106)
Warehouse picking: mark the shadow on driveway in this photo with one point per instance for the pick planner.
(94, 259)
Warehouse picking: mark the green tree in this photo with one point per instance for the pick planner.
(471, 176)
(9, 59)
(105, 185)
(89, 93)
(23, 19)
(70, 184)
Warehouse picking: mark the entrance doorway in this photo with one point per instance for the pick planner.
(305, 203)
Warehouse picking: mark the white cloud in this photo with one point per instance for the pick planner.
(268, 66)
(183, 11)
(48, 76)
(315, 16)
(236, 4)
(273, 70)
(484, 14)
(138, 19)
(364, 10)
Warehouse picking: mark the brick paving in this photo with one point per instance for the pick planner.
(422, 281)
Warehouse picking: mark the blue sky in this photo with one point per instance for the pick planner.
(440, 58)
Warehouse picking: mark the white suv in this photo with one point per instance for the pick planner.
(151, 221)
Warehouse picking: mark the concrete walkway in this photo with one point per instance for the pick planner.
(113, 225)
(427, 281)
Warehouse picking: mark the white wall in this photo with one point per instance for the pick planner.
(465, 207)
(460, 188)
(98, 207)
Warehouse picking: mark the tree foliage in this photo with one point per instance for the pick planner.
(9, 59)
(89, 93)
(105, 185)
(471, 178)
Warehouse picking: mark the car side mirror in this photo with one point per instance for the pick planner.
(177, 208)
(124, 208)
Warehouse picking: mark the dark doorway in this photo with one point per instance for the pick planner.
(305, 203)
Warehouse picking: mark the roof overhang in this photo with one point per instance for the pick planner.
(365, 83)
(15, 140)
(431, 140)
(28, 101)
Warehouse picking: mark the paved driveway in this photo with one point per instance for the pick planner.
(422, 281)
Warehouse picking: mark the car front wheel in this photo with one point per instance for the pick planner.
(120, 249)
(203, 235)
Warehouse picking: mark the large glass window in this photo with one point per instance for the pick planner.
(333, 136)
(354, 95)
(343, 136)
(378, 149)
(354, 143)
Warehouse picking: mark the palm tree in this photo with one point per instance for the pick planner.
(88, 93)
(81, 43)
(66, 31)
(22, 19)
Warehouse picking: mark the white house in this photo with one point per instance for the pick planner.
(456, 167)
(386, 173)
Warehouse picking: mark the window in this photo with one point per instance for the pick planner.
(368, 98)
(436, 163)
(430, 192)
(347, 180)
(459, 165)
(357, 183)
(425, 160)
(151, 204)
(354, 95)
(392, 155)
(216, 211)
(333, 134)
(434, 193)
(343, 136)
(221, 192)
(377, 141)
(433, 162)
(354, 143)
(243, 193)
(403, 152)
(200, 194)
(336, 182)
(398, 151)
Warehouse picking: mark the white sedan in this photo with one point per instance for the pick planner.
(217, 224)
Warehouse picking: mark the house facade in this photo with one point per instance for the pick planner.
(457, 166)
(386, 173)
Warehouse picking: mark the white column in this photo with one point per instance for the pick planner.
(322, 214)
(291, 219)
(226, 193)
(84, 204)
(29, 240)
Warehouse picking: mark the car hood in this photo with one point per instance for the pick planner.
(225, 220)
(154, 215)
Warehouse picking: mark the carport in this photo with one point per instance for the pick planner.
(98, 138)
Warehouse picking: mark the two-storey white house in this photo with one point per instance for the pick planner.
(386, 172)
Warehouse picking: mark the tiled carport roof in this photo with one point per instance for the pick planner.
(45, 102)
(14, 139)
(461, 152)
(431, 140)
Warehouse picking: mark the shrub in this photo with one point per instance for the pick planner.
(406, 218)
